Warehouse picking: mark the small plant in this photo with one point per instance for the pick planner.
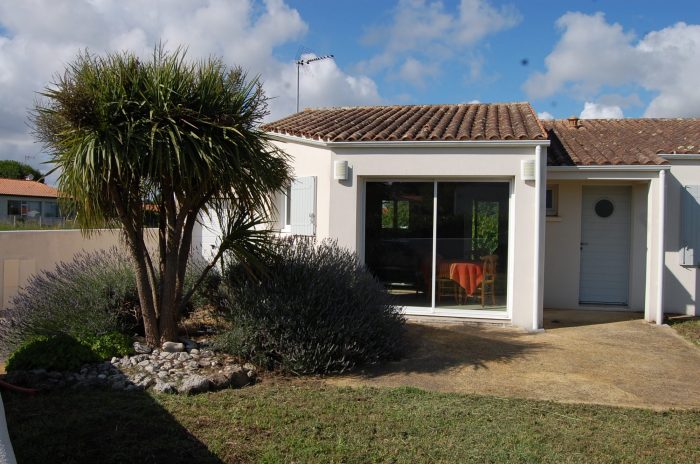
(92, 295)
(316, 310)
(57, 352)
(110, 345)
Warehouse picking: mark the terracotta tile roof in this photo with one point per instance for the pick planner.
(620, 141)
(478, 121)
(26, 188)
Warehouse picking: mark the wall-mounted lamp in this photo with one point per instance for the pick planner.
(527, 169)
(340, 170)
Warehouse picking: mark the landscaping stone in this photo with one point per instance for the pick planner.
(164, 387)
(192, 372)
(142, 348)
(194, 384)
(173, 347)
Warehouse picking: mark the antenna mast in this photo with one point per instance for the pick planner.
(301, 63)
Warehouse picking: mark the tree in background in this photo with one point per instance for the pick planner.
(11, 169)
(126, 133)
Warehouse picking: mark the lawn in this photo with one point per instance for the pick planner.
(293, 421)
(687, 328)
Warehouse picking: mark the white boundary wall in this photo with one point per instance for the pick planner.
(26, 252)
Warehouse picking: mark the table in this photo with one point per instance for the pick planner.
(468, 275)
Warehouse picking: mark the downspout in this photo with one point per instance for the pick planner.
(661, 251)
(540, 186)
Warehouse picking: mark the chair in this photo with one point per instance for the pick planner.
(488, 282)
(445, 287)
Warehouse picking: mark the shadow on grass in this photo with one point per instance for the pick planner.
(434, 349)
(98, 427)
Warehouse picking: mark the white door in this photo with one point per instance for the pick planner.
(605, 245)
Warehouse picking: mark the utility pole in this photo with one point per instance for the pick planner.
(301, 63)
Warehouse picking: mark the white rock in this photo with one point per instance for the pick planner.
(164, 387)
(142, 348)
(173, 347)
(194, 384)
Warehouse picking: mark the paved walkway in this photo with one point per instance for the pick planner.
(583, 357)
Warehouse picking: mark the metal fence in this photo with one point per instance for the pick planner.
(24, 222)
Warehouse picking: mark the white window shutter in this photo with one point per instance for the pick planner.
(303, 206)
(690, 226)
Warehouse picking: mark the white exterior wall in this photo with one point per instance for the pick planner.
(307, 160)
(340, 204)
(681, 284)
(563, 238)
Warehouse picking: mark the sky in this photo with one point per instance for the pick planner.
(586, 58)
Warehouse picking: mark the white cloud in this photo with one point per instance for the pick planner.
(38, 39)
(477, 19)
(422, 35)
(593, 54)
(545, 115)
(416, 72)
(593, 110)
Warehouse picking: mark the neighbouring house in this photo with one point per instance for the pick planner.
(28, 201)
(482, 211)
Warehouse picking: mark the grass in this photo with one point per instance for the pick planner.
(687, 328)
(35, 226)
(293, 421)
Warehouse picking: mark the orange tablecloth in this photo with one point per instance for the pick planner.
(467, 275)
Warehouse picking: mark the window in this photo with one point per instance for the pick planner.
(50, 209)
(34, 209)
(395, 214)
(552, 200)
(14, 207)
(439, 245)
(31, 209)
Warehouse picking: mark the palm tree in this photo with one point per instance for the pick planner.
(179, 136)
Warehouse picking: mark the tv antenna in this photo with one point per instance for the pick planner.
(301, 63)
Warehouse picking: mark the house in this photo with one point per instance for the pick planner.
(484, 212)
(647, 258)
(28, 200)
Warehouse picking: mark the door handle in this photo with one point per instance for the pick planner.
(584, 243)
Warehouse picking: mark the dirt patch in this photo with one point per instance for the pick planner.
(615, 360)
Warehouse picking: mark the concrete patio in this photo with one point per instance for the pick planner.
(602, 357)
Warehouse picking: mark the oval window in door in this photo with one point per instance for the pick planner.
(604, 208)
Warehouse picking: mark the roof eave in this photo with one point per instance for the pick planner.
(617, 167)
(27, 195)
(407, 143)
(678, 156)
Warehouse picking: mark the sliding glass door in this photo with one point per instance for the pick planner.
(440, 245)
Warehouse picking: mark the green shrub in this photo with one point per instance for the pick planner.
(316, 310)
(92, 295)
(110, 345)
(57, 352)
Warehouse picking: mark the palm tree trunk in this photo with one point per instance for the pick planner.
(143, 285)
